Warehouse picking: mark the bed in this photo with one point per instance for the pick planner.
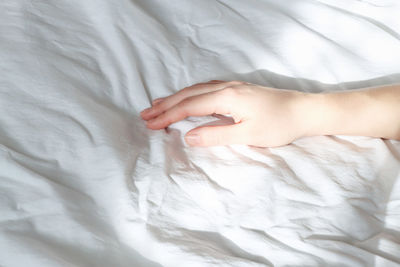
(83, 182)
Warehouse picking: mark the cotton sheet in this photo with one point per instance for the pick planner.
(84, 183)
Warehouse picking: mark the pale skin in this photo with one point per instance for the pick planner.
(268, 117)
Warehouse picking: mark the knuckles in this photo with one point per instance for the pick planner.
(228, 93)
(237, 83)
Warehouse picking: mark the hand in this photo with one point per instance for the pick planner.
(263, 116)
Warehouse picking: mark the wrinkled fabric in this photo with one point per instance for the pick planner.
(84, 183)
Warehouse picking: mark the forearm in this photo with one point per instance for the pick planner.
(371, 112)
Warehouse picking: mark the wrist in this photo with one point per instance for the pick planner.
(368, 112)
(306, 110)
(335, 113)
(308, 113)
(321, 113)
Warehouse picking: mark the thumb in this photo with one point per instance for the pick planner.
(217, 135)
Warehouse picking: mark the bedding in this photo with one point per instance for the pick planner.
(84, 183)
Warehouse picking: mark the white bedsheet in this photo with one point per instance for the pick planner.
(84, 183)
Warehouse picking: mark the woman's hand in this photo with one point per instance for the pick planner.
(268, 117)
(263, 116)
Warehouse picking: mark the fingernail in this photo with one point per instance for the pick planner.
(145, 111)
(192, 139)
(150, 122)
(158, 100)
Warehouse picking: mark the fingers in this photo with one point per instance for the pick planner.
(217, 135)
(200, 105)
(156, 101)
(217, 81)
(160, 106)
(174, 99)
(159, 100)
